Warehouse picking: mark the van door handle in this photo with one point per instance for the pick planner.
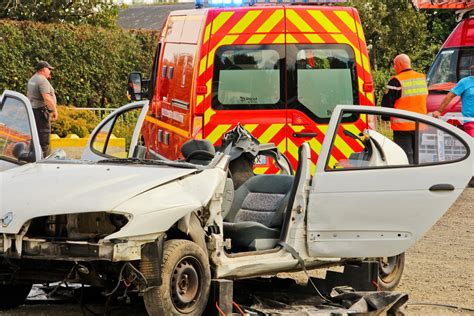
(442, 187)
(304, 135)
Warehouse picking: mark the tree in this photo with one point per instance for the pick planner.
(93, 12)
(394, 26)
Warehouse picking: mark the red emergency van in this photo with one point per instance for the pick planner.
(454, 59)
(451, 65)
(278, 69)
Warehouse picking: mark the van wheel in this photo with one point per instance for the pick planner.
(471, 183)
(390, 271)
(186, 280)
(13, 295)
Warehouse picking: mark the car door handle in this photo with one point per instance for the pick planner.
(303, 135)
(442, 187)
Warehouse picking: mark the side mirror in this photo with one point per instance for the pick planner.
(134, 87)
(19, 152)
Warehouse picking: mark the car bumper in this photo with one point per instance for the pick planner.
(27, 248)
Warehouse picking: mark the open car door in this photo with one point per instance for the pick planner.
(373, 201)
(119, 134)
(19, 141)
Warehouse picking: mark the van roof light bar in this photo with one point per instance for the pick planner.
(239, 3)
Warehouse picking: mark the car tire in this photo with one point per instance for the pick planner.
(390, 271)
(471, 183)
(186, 281)
(13, 295)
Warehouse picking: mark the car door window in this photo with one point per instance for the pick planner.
(14, 126)
(418, 143)
(115, 136)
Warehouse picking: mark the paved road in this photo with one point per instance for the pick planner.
(148, 17)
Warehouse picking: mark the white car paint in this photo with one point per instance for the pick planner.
(379, 212)
(76, 187)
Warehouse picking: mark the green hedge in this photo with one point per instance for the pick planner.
(92, 63)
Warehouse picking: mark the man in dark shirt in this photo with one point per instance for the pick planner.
(43, 101)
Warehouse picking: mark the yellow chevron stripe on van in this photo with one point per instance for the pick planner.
(270, 133)
(220, 20)
(271, 22)
(207, 32)
(360, 33)
(322, 19)
(347, 19)
(298, 21)
(280, 39)
(217, 133)
(343, 147)
(314, 38)
(260, 170)
(292, 149)
(245, 21)
(203, 65)
(250, 127)
(290, 39)
(255, 39)
(227, 40)
(208, 114)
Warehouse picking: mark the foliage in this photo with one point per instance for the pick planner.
(393, 27)
(92, 63)
(73, 121)
(93, 12)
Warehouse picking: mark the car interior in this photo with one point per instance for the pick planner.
(256, 217)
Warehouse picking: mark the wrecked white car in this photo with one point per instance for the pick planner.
(165, 228)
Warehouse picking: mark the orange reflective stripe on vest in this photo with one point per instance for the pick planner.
(414, 93)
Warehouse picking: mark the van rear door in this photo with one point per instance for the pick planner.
(327, 65)
(246, 63)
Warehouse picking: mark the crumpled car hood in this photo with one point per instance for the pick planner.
(46, 189)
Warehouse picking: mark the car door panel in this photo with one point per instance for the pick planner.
(101, 136)
(17, 125)
(381, 211)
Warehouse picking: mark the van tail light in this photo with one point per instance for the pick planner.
(368, 87)
(198, 127)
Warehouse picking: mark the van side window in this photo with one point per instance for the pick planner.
(321, 76)
(248, 77)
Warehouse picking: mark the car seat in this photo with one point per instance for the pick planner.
(256, 216)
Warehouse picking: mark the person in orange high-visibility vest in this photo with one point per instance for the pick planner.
(407, 90)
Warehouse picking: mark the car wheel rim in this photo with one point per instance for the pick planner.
(186, 284)
(388, 267)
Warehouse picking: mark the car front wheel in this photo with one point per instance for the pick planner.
(13, 295)
(186, 280)
(390, 271)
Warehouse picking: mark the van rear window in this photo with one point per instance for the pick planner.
(248, 77)
(321, 76)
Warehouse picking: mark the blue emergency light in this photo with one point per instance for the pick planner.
(239, 3)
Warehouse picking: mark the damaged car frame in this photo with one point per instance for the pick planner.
(166, 228)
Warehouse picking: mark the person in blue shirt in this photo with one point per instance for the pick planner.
(464, 89)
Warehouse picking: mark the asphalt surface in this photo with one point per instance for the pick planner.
(148, 17)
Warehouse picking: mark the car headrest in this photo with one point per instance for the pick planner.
(198, 149)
